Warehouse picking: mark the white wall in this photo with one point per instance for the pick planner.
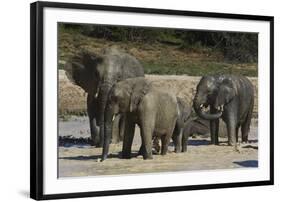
(14, 101)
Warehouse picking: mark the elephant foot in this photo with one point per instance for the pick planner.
(177, 150)
(147, 156)
(245, 141)
(215, 143)
(184, 150)
(231, 144)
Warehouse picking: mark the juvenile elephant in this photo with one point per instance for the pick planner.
(197, 126)
(229, 97)
(155, 112)
(96, 74)
(184, 112)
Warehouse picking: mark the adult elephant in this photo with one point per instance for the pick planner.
(229, 97)
(154, 111)
(96, 74)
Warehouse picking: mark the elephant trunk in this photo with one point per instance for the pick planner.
(198, 107)
(102, 99)
(109, 118)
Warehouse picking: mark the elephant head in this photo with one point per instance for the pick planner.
(207, 92)
(124, 97)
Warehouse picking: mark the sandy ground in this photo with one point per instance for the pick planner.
(83, 160)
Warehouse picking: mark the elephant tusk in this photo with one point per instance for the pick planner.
(113, 117)
(201, 106)
(97, 93)
(221, 107)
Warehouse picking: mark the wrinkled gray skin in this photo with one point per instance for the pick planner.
(229, 97)
(197, 126)
(184, 112)
(155, 112)
(96, 75)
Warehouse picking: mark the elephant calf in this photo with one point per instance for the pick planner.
(154, 111)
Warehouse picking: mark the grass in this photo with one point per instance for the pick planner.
(195, 68)
(157, 58)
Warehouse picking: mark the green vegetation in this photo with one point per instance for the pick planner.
(167, 51)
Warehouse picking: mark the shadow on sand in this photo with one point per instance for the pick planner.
(96, 157)
(198, 142)
(250, 147)
(248, 164)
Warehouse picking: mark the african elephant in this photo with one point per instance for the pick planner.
(229, 97)
(154, 111)
(184, 112)
(197, 126)
(96, 74)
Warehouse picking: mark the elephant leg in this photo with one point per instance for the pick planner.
(122, 126)
(214, 129)
(178, 139)
(94, 131)
(128, 139)
(155, 144)
(245, 128)
(115, 130)
(236, 133)
(146, 136)
(184, 143)
(231, 132)
(164, 144)
(141, 150)
(92, 121)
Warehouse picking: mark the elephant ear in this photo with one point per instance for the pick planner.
(90, 60)
(139, 90)
(73, 71)
(226, 92)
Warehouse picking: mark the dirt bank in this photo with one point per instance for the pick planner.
(72, 99)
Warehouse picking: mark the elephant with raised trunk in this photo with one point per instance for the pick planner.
(229, 97)
(154, 111)
(96, 74)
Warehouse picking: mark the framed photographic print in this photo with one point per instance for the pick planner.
(134, 100)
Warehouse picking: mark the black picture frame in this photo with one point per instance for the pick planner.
(36, 99)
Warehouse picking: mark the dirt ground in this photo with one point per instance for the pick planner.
(84, 160)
